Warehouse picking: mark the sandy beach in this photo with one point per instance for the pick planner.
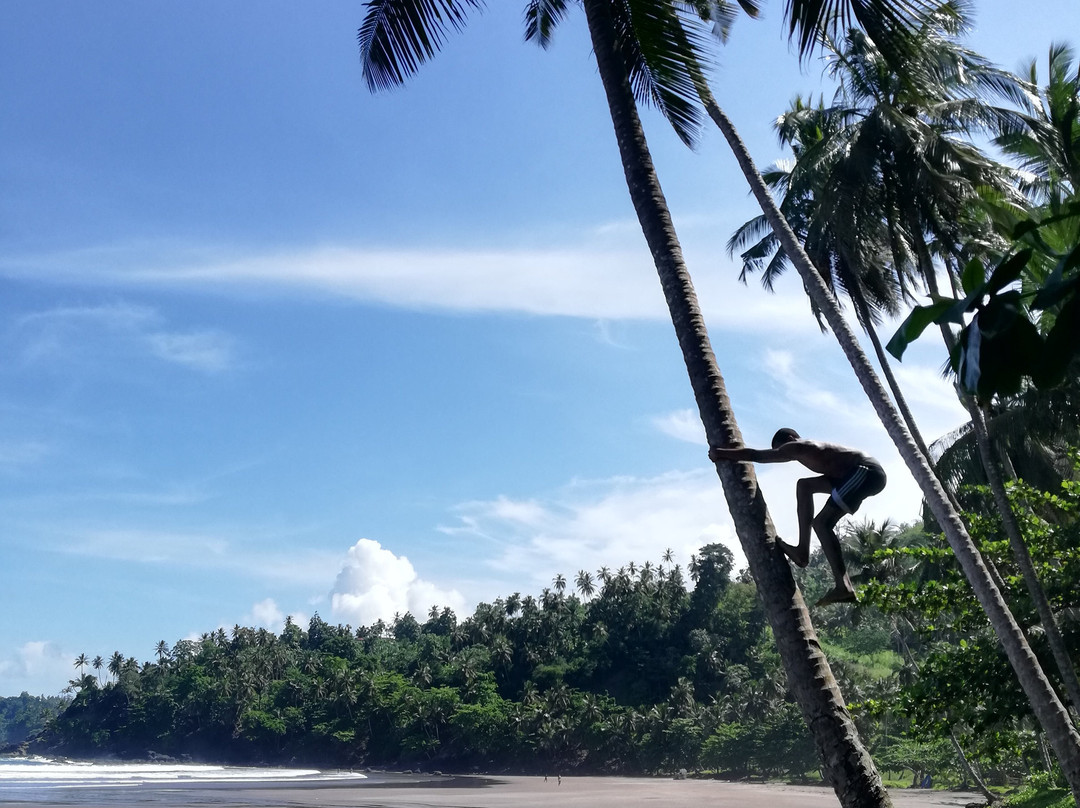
(482, 792)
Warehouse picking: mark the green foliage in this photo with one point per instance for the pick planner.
(1002, 343)
(957, 683)
(24, 715)
(1041, 797)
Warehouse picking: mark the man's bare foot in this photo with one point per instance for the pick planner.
(838, 595)
(792, 552)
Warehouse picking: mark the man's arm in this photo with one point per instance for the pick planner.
(717, 454)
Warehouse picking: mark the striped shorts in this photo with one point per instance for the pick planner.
(861, 482)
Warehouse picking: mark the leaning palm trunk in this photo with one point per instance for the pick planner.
(969, 769)
(846, 763)
(1048, 709)
(890, 378)
(1023, 559)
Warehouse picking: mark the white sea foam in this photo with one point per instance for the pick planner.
(45, 773)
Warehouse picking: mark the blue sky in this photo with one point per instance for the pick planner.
(272, 345)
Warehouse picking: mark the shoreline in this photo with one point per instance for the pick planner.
(398, 790)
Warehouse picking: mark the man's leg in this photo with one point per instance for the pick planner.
(823, 525)
(804, 508)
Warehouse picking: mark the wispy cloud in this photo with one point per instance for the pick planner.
(16, 455)
(595, 280)
(78, 333)
(208, 351)
(684, 425)
(589, 524)
(249, 557)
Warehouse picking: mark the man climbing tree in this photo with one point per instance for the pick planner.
(847, 475)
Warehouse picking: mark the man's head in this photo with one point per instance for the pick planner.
(782, 436)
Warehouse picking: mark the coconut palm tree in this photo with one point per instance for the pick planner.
(1032, 434)
(643, 49)
(932, 201)
(908, 130)
(823, 199)
(116, 664)
(1046, 142)
(81, 662)
(585, 584)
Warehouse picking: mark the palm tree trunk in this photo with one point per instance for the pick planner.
(890, 378)
(1044, 702)
(846, 763)
(1023, 559)
(991, 797)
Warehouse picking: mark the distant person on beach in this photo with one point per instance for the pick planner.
(847, 475)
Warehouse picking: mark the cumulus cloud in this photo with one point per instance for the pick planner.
(38, 661)
(266, 614)
(374, 584)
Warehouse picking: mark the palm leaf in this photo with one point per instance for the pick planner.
(541, 17)
(664, 54)
(890, 23)
(397, 36)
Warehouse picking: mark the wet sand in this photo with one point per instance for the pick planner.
(479, 792)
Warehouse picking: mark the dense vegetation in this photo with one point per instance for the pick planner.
(24, 715)
(636, 672)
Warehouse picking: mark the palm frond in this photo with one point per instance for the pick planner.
(541, 17)
(664, 51)
(722, 14)
(749, 235)
(397, 36)
(888, 22)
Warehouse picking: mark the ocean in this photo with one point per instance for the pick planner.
(46, 773)
(65, 782)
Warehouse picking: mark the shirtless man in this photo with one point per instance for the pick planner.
(848, 475)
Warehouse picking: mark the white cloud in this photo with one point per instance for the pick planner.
(35, 662)
(591, 524)
(374, 584)
(15, 455)
(210, 550)
(595, 280)
(684, 425)
(79, 333)
(208, 351)
(932, 398)
(265, 614)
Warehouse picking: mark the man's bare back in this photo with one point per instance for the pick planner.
(829, 459)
